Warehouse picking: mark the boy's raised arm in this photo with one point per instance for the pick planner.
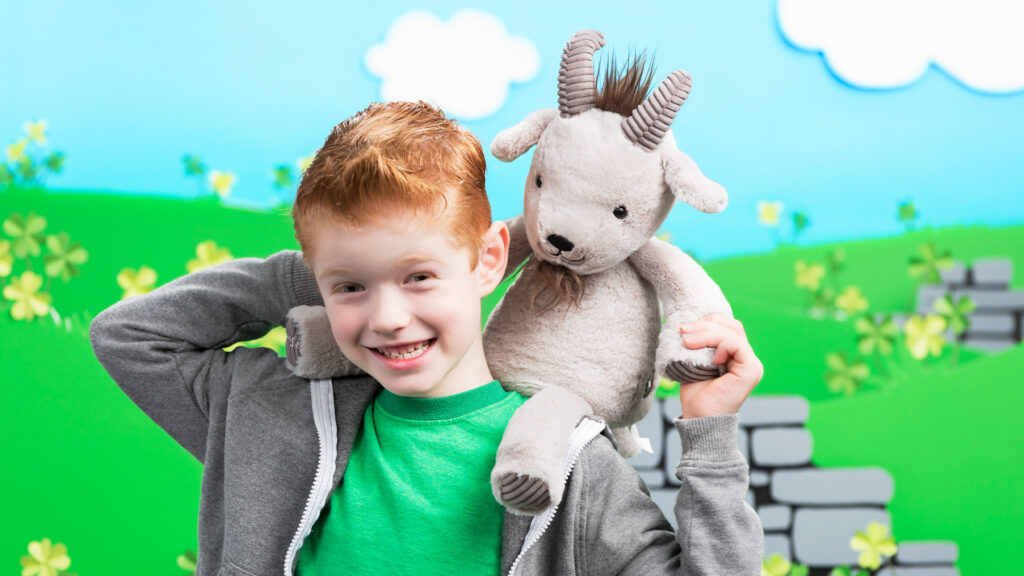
(164, 349)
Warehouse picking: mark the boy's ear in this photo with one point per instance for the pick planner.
(493, 258)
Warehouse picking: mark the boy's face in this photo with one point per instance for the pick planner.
(404, 304)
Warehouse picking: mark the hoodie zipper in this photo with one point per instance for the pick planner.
(585, 431)
(322, 399)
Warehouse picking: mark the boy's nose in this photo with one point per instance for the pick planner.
(389, 313)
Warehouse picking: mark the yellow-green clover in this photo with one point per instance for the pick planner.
(221, 182)
(45, 559)
(6, 260)
(851, 301)
(187, 562)
(28, 303)
(276, 340)
(873, 545)
(775, 565)
(874, 336)
(136, 282)
(36, 131)
(842, 376)
(924, 335)
(768, 213)
(304, 163)
(16, 151)
(27, 232)
(208, 254)
(64, 257)
(809, 276)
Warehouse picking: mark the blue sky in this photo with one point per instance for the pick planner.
(128, 88)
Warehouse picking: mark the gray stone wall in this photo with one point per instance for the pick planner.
(808, 513)
(996, 323)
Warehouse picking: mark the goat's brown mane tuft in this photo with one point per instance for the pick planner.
(623, 89)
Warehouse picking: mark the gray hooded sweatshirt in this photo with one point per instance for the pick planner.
(274, 446)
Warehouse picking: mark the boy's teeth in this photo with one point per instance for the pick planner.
(405, 352)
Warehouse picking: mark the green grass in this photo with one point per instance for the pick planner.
(87, 468)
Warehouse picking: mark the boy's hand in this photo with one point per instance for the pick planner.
(724, 394)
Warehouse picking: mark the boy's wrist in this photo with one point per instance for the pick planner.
(709, 438)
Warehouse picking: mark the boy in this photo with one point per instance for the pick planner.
(398, 245)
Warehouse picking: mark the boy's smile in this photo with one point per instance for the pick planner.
(404, 304)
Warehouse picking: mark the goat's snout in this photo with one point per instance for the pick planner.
(560, 242)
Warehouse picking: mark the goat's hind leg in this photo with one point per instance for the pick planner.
(528, 475)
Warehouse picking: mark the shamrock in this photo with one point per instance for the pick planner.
(873, 545)
(907, 212)
(304, 162)
(193, 165)
(55, 162)
(800, 221)
(16, 151)
(276, 339)
(926, 267)
(283, 176)
(851, 301)
(955, 314)
(776, 565)
(26, 232)
(924, 335)
(28, 303)
(187, 562)
(874, 336)
(768, 213)
(36, 131)
(842, 376)
(6, 260)
(45, 559)
(221, 182)
(64, 257)
(809, 276)
(136, 282)
(208, 254)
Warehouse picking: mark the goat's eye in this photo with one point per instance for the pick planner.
(620, 212)
(538, 181)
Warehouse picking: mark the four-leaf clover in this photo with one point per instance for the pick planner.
(873, 545)
(775, 565)
(27, 233)
(28, 303)
(955, 314)
(208, 254)
(927, 265)
(843, 376)
(768, 213)
(45, 559)
(6, 260)
(924, 335)
(136, 282)
(851, 301)
(221, 182)
(809, 276)
(64, 257)
(874, 336)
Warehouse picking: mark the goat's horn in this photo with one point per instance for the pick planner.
(650, 121)
(576, 80)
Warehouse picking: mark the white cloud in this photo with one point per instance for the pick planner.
(463, 65)
(890, 43)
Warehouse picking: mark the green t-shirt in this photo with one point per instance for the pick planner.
(416, 496)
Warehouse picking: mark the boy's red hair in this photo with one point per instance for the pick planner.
(388, 160)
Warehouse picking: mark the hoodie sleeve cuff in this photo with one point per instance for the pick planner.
(709, 439)
(303, 283)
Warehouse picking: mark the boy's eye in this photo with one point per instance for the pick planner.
(419, 277)
(348, 288)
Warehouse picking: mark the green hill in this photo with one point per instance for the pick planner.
(88, 469)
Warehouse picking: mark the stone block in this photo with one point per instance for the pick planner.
(900, 570)
(673, 452)
(743, 443)
(777, 544)
(651, 427)
(665, 498)
(750, 499)
(780, 446)
(821, 536)
(775, 516)
(770, 410)
(760, 478)
(956, 275)
(993, 300)
(989, 344)
(653, 478)
(927, 295)
(992, 272)
(991, 325)
(833, 486)
(927, 553)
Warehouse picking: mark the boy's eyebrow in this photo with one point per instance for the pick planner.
(411, 259)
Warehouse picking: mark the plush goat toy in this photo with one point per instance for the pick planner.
(580, 330)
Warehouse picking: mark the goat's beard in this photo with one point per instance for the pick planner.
(552, 285)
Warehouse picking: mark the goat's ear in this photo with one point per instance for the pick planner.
(688, 184)
(510, 143)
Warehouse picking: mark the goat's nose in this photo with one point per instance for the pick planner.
(560, 242)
